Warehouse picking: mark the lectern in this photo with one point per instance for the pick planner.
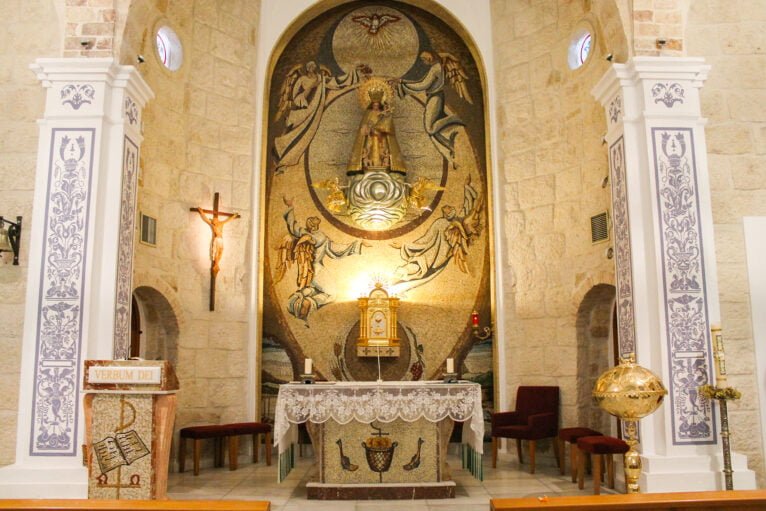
(129, 413)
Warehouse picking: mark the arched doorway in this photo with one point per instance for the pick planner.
(595, 339)
(154, 326)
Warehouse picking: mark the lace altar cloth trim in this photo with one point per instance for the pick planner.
(385, 402)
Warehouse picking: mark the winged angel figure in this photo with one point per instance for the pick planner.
(447, 239)
(442, 68)
(308, 247)
(302, 99)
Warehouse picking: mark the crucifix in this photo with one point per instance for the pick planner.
(211, 218)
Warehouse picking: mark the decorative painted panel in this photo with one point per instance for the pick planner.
(77, 95)
(377, 171)
(62, 280)
(623, 261)
(685, 294)
(132, 112)
(668, 93)
(614, 110)
(125, 250)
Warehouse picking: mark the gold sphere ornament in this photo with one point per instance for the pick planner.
(629, 392)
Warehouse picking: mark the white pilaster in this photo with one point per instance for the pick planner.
(79, 256)
(665, 262)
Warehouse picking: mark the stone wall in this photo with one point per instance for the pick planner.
(89, 30)
(198, 140)
(733, 42)
(28, 30)
(552, 165)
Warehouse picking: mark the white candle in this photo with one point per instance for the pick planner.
(307, 366)
(450, 365)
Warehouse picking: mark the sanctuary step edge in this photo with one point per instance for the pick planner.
(739, 500)
(139, 505)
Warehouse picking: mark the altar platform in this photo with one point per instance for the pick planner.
(259, 482)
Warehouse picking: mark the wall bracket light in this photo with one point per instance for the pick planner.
(10, 237)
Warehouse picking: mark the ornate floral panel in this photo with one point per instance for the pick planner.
(376, 172)
(623, 257)
(125, 249)
(60, 311)
(685, 294)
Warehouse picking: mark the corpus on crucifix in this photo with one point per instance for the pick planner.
(211, 217)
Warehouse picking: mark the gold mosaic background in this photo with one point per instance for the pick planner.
(318, 262)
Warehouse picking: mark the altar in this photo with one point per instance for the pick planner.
(380, 439)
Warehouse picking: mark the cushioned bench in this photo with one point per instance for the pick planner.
(220, 432)
(598, 446)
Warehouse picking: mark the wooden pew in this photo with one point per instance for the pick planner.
(139, 505)
(739, 500)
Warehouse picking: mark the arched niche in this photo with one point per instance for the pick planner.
(158, 325)
(595, 332)
(314, 110)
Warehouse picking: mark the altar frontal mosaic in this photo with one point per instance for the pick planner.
(395, 452)
(376, 172)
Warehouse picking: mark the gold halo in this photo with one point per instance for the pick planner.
(375, 82)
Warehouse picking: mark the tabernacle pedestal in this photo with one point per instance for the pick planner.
(384, 440)
(129, 414)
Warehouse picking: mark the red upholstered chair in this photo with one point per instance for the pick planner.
(536, 417)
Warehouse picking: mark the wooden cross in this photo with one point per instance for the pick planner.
(210, 216)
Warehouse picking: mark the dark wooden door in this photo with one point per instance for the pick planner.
(135, 330)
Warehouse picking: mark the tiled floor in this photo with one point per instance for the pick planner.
(259, 482)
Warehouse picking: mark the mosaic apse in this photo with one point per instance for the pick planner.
(377, 172)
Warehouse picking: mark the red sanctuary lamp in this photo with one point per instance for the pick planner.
(485, 333)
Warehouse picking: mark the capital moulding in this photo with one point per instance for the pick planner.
(96, 70)
(686, 69)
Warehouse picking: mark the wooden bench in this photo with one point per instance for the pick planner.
(738, 500)
(221, 432)
(139, 505)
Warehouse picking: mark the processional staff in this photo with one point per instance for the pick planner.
(721, 393)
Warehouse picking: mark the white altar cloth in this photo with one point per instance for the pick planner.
(379, 401)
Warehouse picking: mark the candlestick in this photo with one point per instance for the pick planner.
(307, 366)
(450, 365)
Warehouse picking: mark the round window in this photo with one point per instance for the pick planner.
(579, 48)
(169, 49)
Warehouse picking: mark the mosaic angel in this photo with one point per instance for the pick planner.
(447, 239)
(443, 68)
(302, 100)
(307, 247)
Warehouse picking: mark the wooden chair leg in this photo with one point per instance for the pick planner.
(532, 446)
(562, 449)
(267, 448)
(580, 468)
(557, 454)
(494, 452)
(518, 450)
(233, 451)
(218, 452)
(256, 446)
(596, 474)
(197, 452)
(181, 455)
(573, 461)
(610, 470)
